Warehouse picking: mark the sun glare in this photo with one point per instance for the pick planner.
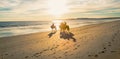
(57, 7)
(57, 23)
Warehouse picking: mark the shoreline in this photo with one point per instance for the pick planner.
(15, 31)
(57, 30)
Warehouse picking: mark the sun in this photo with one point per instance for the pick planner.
(57, 7)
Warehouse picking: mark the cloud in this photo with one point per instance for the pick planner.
(5, 9)
(23, 8)
(9, 3)
(89, 5)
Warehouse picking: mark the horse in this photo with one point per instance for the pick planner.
(53, 27)
(64, 27)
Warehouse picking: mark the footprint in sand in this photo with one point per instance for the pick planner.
(78, 45)
(52, 54)
(71, 54)
(45, 50)
(109, 45)
(89, 55)
(65, 52)
(41, 52)
(59, 57)
(54, 47)
(12, 55)
(64, 44)
(118, 53)
(65, 55)
(6, 54)
(75, 49)
(51, 48)
(104, 48)
(37, 54)
(101, 52)
(113, 51)
(96, 55)
(113, 40)
(26, 56)
(109, 42)
(93, 55)
(1, 55)
(55, 57)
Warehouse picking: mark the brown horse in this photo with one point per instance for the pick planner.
(63, 27)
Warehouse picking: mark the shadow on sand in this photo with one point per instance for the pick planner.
(51, 34)
(68, 36)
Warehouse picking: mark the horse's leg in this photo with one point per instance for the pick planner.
(67, 28)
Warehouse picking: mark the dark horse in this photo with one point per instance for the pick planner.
(64, 32)
(64, 27)
(53, 27)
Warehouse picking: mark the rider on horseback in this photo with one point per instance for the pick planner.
(53, 27)
(64, 27)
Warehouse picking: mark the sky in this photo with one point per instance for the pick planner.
(32, 10)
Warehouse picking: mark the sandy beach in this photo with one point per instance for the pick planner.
(96, 41)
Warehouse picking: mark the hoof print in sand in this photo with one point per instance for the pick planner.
(26, 56)
(6, 54)
(104, 48)
(78, 45)
(109, 45)
(113, 51)
(59, 57)
(96, 56)
(65, 52)
(54, 53)
(37, 55)
(102, 51)
(89, 55)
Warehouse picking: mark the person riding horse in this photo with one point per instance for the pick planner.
(63, 27)
(53, 27)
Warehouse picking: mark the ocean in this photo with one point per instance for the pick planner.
(13, 28)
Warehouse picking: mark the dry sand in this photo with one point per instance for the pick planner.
(98, 41)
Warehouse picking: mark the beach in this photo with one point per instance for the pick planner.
(95, 41)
